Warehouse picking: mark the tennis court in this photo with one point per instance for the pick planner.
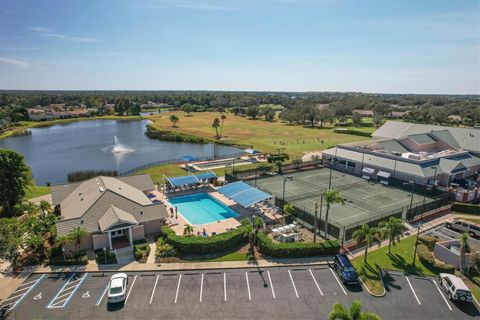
(364, 200)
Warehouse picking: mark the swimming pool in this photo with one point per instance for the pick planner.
(201, 208)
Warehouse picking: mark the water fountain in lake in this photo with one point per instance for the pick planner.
(120, 148)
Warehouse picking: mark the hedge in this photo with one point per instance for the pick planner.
(353, 132)
(277, 157)
(428, 241)
(201, 245)
(167, 135)
(100, 257)
(295, 249)
(428, 260)
(59, 261)
(466, 208)
(141, 251)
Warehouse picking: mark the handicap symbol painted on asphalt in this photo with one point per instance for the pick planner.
(86, 295)
(38, 296)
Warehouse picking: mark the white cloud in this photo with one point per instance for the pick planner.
(51, 33)
(19, 63)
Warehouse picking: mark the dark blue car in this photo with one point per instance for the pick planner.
(345, 269)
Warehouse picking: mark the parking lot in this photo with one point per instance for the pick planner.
(269, 293)
(443, 233)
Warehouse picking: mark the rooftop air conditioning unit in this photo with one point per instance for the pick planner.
(414, 156)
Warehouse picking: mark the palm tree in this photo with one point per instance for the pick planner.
(34, 243)
(393, 229)
(62, 240)
(339, 312)
(76, 236)
(223, 117)
(216, 124)
(288, 210)
(188, 230)
(464, 248)
(331, 196)
(279, 165)
(45, 207)
(367, 236)
(174, 120)
(248, 232)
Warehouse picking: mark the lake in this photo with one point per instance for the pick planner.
(53, 152)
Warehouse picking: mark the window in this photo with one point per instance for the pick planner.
(448, 282)
(473, 227)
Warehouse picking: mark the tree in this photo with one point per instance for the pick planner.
(187, 108)
(252, 112)
(188, 230)
(377, 120)
(367, 235)
(76, 236)
(216, 125)
(279, 165)
(393, 229)
(174, 120)
(11, 240)
(288, 210)
(464, 248)
(35, 243)
(356, 119)
(45, 207)
(249, 233)
(339, 312)
(15, 178)
(331, 196)
(223, 117)
(62, 240)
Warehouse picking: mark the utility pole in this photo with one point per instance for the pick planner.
(315, 223)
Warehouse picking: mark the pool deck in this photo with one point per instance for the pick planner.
(177, 223)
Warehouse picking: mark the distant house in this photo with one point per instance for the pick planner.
(455, 118)
(112, 210)
(364, 113)
(397, 114)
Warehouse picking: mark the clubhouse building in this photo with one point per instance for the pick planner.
(425, 154)
(115, 211)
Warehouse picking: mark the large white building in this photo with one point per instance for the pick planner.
(426, 154)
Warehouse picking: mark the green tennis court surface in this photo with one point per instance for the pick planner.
(364, 200)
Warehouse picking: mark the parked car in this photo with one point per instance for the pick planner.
(345, 269)
(455, 288)
(118, 288)
(461, 225)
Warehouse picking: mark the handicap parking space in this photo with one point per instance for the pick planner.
(21, 293)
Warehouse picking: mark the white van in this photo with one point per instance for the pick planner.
(455, 288)
(461, 225)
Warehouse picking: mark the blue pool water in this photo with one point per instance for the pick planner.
(201, 208)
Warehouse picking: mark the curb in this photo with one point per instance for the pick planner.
(66, 270)
(383, 285)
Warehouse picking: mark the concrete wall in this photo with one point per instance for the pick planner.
(444, 254)
(153, 227)
(138, 233)
(100, 241)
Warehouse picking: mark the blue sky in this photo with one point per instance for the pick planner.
(286, 45)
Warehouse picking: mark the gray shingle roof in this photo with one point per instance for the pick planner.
(114, 216)
(466, 138)
(142, 182)
(421, 138)
(393, 146)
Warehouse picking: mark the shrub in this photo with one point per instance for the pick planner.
(277, 157)
(80, 259)
(429, 241)
(466, 208)
(295, 249)
(353, 132)
(428, 260)
(201, 245)
(165, 250)
(100, 257)
(141, 252)
(88, 174)
(167, 135)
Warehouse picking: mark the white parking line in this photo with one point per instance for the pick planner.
(22, 296)
(411, 287)
(441, 293)
(129, 291)
(316, 283)
(178, 287)
(99, 300)
(339, 283)
(224, 286)
(248, 287)
(271, 285)
(201, 288)
(153, 292)
(293, 283)
(60, 291)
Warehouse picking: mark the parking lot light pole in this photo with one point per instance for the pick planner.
(411, 182)
(416, 242)
(315, 223)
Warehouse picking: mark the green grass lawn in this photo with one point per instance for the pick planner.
(262, 135)
(222, 257)
(400, 259)
(36, 191)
